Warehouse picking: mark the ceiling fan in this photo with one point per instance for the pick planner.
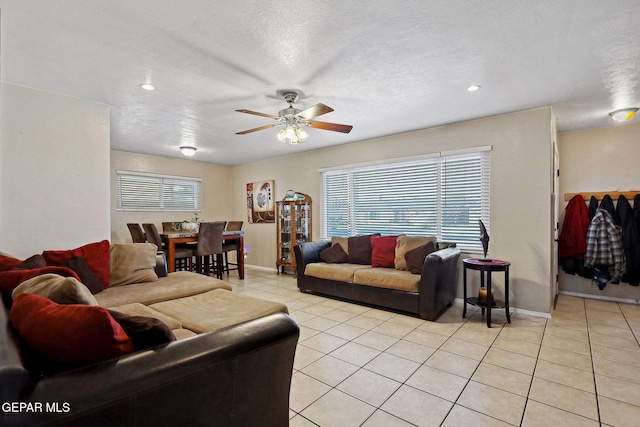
(291, 120)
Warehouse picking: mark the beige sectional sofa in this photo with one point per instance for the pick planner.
(230, 363)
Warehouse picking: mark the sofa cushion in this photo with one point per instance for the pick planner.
(415, 257)
(31, 263)
(217, 309)
(334, 254)
(182, 333)
(10, 279)
(342, 241)
(68, 333)
(383, 251)
(86, 275)
(405, 244)
(388, 278)
(137, 309)
(59, 289)
(145, 332)
(360, 249)
(339, 272)
(95, 254)
(175, 285)
(132, 263)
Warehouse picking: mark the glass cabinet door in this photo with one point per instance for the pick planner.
(293, 227)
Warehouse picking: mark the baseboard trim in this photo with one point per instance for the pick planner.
(520, 311)
(600, 297)
(260, 267)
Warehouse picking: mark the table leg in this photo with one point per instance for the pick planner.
(489, 299)
(171, 256)
(240, 257)
(506, 293)
(464, 287)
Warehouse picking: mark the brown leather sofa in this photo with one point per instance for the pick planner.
(238, 375)
(435, 292)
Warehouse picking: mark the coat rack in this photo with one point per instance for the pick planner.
(600, 195)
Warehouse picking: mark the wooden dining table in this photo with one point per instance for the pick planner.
(171, 238)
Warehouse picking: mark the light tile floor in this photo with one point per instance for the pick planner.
(362, 366)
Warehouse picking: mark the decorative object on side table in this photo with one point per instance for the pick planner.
(484, 238)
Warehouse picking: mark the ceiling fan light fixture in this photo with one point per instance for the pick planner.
(623, 115)
(188, 150)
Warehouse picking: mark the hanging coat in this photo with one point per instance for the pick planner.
(593, 207)
(630, 242)
(607, 204)
(572, 244)
(604, 244)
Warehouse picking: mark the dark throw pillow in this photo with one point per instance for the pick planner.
(31, 263)
(86, 275)
(334, 254)
(145, 332)
(415, 257)
(360, 249)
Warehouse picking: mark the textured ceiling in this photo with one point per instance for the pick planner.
(385, 67)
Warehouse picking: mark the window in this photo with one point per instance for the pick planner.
(444, 195)
(137, 191)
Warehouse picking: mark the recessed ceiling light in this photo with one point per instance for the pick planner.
(473, 88)
(623, 115)
(147, 86)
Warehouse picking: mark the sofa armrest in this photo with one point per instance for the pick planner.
(161, 264)
(308, 252)
(438, 282)
(236, 376)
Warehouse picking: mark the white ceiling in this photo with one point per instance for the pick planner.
(385, 67)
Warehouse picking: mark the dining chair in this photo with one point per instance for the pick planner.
(137, 235)
(231, 246)
(183, 256)
(210, 244)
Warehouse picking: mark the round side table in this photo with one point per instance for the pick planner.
(486, 267)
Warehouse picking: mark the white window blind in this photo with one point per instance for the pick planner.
(439, 196)
(138, 191)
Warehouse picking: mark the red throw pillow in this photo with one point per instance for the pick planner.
(95, 254)
(8, 262)
(383, 251)
(9, 280)
(69, 333)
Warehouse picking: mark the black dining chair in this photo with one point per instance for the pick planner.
(231, 246)
(137, 235)
(184, 256)
(209, 248)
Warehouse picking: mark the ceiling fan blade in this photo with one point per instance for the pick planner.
(255, 113)
(314, 111)
(330, 126)
(244, 132)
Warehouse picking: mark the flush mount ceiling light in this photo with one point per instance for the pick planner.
(473, 88)
(147, 86)
(623, 115)
(291, 120)
(188, 150)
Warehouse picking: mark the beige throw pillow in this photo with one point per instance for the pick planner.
(404, 244)
(132, 263)
(59, 289)
(343, 242)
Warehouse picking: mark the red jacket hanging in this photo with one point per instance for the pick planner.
(573, 237)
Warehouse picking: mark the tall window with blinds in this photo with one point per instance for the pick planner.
(137, 191)
(442, 196)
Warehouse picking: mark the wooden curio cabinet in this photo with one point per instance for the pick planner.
(293, 219)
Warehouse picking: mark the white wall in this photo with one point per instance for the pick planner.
(54, 171)
(520, 190)
(593, 161)
(216, 191)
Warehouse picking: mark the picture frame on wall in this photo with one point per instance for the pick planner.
(260, 204)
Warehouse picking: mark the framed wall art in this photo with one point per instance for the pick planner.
(260, 205)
